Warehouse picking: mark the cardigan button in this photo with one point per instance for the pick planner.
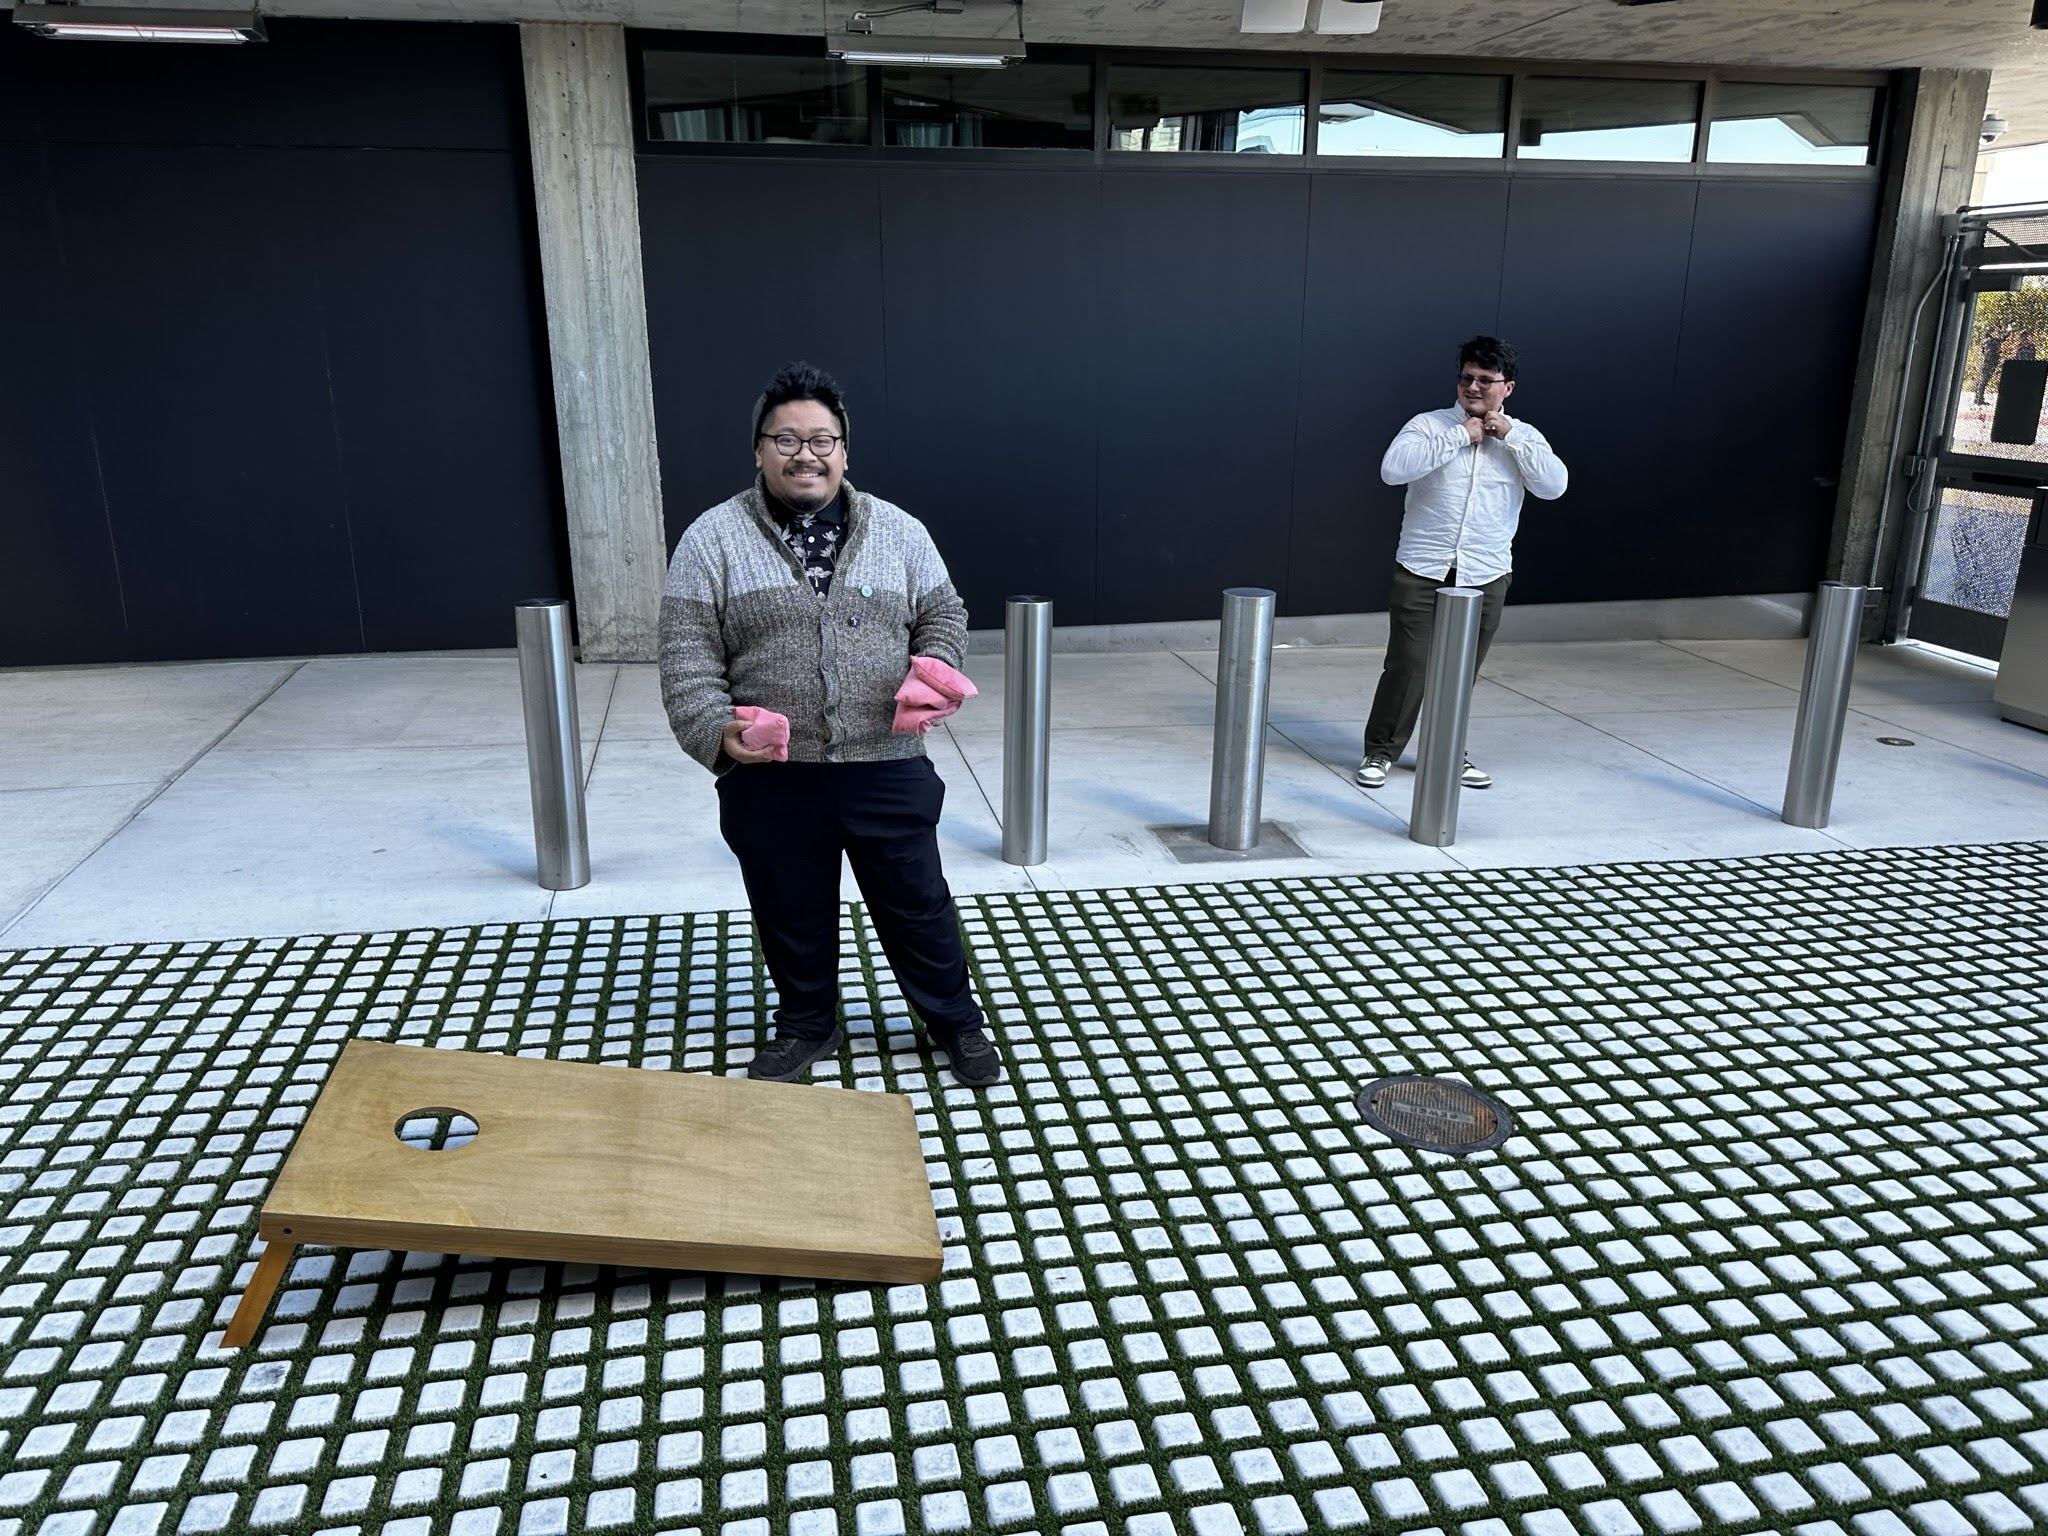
(854, 622)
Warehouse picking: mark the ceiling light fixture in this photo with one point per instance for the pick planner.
(861, 44)
(1273, 16)
(1348, 18)
(131, 24)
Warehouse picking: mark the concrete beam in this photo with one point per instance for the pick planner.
(579, 118)
(1933, 160)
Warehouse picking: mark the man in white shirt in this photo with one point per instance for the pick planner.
(1466, 468)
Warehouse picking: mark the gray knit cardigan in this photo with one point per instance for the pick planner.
(741, 625)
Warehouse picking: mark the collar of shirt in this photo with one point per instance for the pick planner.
(833, 512)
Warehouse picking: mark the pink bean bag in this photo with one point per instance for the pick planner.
(931, 692)
(764, 729)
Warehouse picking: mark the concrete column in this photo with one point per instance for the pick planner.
(1935, 116)
(579, 117)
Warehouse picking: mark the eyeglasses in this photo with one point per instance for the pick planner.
(1476, 381)
(787, 443)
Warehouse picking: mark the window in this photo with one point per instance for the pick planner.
(1791, 124)
(712, 98)
(1251, 105)
(1567, 118)
(1386, 114)
(1033, 105)
(1167, 108)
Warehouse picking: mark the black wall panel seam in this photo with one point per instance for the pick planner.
(1095, 524)
(341, 456)
(1284, 597)
(1692, 250)
(881, 296)
(1101, 191)
(84, 381)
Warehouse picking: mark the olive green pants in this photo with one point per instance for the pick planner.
(1411, 615)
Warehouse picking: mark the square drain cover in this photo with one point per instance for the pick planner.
(1191, 845)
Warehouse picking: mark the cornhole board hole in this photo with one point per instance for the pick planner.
(601, 1165)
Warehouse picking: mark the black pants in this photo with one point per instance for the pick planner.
(788, 824)
(1411, 615)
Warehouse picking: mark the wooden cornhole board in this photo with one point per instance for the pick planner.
(601, 1165)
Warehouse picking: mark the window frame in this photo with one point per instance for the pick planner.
(1102, 157)
(1880, 118)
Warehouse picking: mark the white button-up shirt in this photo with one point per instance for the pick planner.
(1465, 498)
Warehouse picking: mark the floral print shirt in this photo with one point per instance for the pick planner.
(814, 538)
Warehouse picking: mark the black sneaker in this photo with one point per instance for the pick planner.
(788, 1057)
(970, 1056)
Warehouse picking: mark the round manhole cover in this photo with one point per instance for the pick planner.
(1436, 1114)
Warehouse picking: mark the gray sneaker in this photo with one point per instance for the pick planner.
(1475, 777)
(1372, 773)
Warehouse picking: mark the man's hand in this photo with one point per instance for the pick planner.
(1475, 428)
(739, 754)
(1496, 426)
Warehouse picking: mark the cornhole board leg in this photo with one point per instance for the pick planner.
(277, 1257)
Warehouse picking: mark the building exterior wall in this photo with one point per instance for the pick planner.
(274, 381)
(283, 383)
(1131, 386)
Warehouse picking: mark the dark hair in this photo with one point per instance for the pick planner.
(800, 381)
(1489, 352)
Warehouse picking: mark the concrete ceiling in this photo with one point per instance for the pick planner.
(1797, 34)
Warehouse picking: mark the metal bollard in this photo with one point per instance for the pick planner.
(1446, 711)
(1244, 676)
(1027, 726)
(1831, 641)
(554, 746)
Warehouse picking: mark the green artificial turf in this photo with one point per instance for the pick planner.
(1768, 1252)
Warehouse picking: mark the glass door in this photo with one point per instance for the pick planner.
(1973, 512)
(2005, 365)
(1972, 560)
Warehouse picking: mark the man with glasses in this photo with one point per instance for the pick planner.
(805, 597)
(1466, 468)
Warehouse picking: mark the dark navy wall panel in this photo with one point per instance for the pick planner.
(60, 588)
(442, 405)
(1006, 474)
(1773, 321)
(1199, 368)
(749, 266)
(1200, 283)
(1401, 269)
(216, 440)
(1593, 296)
(346, 85)
(286, 371)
